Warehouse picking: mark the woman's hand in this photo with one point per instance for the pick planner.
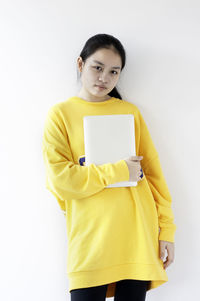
(170, 250)
(134, 167)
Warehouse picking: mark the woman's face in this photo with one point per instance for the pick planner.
(100, 69)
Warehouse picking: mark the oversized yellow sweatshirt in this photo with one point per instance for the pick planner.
(113, 233)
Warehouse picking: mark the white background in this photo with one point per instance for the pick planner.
(40, 42)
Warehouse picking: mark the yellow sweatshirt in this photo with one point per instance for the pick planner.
(113, 233)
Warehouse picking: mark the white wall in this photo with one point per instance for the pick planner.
(40, 42)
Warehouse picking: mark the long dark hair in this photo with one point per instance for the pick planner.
(99, 41)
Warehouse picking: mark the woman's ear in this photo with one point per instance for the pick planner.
(80, 63)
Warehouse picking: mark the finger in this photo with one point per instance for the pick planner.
(162, 251)
(136, 158)
(162, 254)
(170, 255)
(167, 262)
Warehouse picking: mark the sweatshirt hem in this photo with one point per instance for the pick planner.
(153, 272)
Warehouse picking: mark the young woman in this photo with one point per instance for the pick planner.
(116, 237)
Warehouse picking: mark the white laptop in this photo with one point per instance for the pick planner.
(109, 138)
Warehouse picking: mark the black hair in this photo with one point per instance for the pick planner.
(100, 41)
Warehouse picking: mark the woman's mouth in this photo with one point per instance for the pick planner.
(101, 87)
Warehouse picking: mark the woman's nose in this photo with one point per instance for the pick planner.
(103, 78)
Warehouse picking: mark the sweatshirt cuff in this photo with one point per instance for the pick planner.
(121, 172)
(167, 234)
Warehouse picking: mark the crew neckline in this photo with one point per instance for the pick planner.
(96, 103)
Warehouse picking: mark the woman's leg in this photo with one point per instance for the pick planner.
(94, 293)
(131, 289)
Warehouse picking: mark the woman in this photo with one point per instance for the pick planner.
(116, 237)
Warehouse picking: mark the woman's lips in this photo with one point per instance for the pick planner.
(101, 87)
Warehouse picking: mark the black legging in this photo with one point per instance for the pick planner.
(126, 290)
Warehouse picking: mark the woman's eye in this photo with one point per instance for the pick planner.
(97, 67)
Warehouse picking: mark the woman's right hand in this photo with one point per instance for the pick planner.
(134, 167)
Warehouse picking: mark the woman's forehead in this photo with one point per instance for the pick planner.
(109, 58)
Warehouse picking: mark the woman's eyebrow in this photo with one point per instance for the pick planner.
(115, 67)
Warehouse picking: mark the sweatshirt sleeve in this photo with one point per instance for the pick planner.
(67, 180)
(154, 174)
